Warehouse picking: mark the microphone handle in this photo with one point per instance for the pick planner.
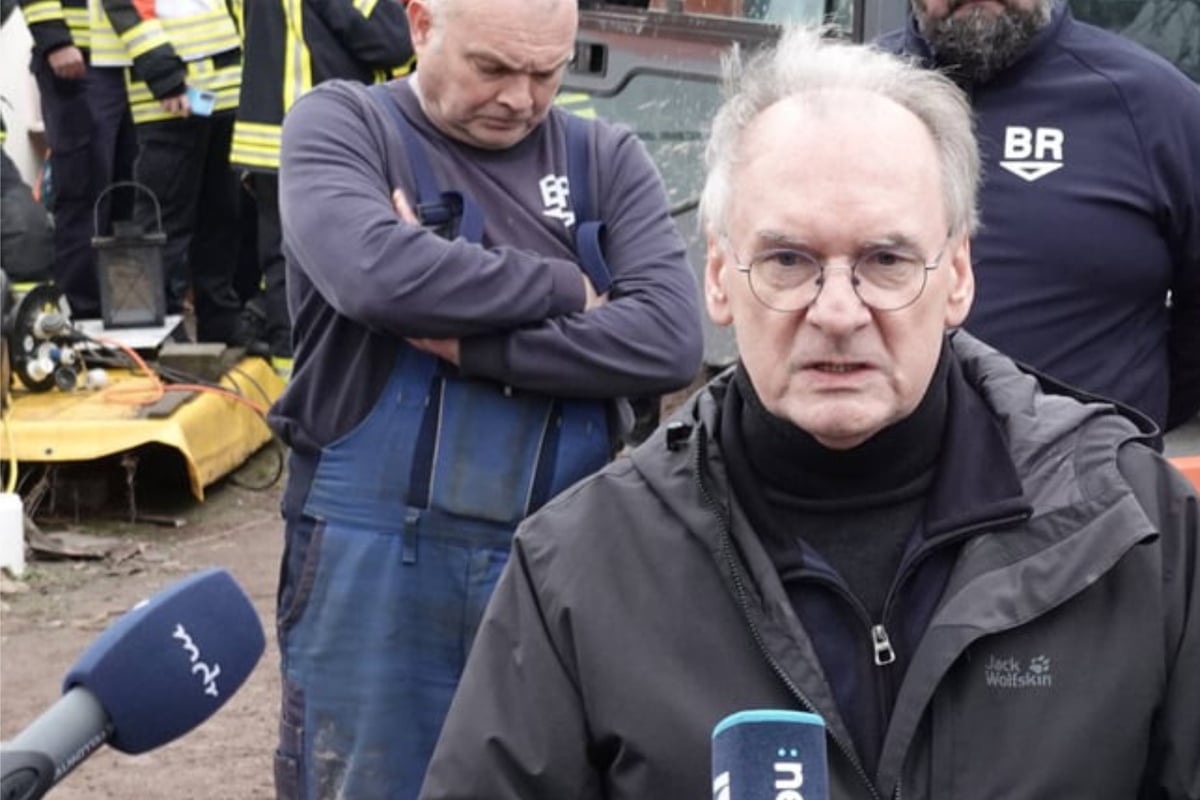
(66, 733)
(24, 775)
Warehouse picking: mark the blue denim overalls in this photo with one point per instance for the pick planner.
(407, 523)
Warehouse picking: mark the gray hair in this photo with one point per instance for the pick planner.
(804, 63)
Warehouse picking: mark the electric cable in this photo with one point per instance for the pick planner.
(180, 380)
(157, 389)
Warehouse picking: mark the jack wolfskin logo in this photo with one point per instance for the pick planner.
(1008, 673)
(1032, 153)
(556, 197)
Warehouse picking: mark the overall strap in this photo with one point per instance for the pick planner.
(589, 230)
(589, 233)
(438, 210)
(434, 208)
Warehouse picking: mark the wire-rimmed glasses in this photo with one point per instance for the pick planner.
(886, 278)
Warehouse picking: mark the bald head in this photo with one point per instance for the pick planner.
(488, 70)
(443, 10)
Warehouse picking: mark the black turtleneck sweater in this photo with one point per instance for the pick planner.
(837, 525)
(856, 508)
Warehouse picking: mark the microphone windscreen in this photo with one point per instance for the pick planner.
(770, 754)
(170, 662)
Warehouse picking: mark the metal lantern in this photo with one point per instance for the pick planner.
(129, 261)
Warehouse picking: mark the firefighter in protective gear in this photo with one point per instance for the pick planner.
(291, 46)
(91, 139)
(183, 72)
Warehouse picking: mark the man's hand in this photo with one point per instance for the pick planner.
(592, 298)
(445, 349)
(67, 63)
(177, 105)
(403, 210)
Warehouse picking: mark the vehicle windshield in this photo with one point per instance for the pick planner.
(1170, 28)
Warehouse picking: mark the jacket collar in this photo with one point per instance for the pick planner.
(976, 481)
(1039, 424)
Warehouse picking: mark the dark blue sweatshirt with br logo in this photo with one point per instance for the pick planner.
(1090, 216)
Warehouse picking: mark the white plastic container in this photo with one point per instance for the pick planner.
(12, 533)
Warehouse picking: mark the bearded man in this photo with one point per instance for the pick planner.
(1088, 258)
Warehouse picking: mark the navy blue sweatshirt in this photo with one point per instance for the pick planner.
(1091, 215)
(360, 279)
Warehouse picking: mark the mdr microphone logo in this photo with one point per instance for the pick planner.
(769, 753)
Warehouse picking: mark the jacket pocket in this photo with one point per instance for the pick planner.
(288, 754)
(298, 570)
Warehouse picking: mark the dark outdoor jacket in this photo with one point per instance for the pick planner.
(638, 610)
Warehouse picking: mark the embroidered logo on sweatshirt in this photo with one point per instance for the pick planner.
(1009, 673)
(556, 197)
(1032, 153)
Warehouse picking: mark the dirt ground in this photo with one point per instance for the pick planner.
(60, 606)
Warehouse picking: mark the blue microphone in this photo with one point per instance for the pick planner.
(770, 755)
(157, 672)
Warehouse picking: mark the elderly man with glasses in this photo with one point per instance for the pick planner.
(984, 583)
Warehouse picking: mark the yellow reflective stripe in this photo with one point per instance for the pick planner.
(77, 22)
(365, 7)
(255, 144)
(405, 68)
(227, 98)
(202, 75)
(108, 53)
(143, 113)
(107, 50)
(203, 34)
(565, 99)
(44, 11)
(257, 131)
(282, 366)
(192, 49)
(239, 17)
(225, 83)
(297, 64)
(578, 103)
(139, 93)
(143, 37)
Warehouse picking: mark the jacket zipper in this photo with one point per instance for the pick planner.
(743, 603)
(880, 640)
(884, 653)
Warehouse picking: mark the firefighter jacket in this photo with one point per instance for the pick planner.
(56, 23)
(293, 45)
(170, 45)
